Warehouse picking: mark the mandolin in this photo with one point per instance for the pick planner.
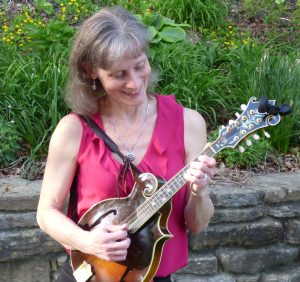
(147, 208)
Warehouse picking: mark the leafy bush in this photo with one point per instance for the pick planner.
(161, 28)
(253, 155)
(189, 72)
(54, 35)
(32, 87)
(215, 73)
(279, 78)
(9, 143)
(204, 13)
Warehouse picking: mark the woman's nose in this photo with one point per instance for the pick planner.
(133, 81)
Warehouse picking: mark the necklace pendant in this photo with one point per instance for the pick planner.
(130, 156)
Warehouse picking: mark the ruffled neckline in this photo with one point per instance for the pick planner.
(156, 148)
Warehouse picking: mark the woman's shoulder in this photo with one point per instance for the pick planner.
(68, 130)
(194, 118)
(195, 136)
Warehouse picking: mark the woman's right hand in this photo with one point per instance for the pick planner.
(108, 242)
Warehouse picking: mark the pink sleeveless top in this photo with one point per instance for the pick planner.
(98, 169)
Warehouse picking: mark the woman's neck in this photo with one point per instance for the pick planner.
(121, 112)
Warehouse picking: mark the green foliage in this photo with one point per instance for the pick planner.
(161, 28)
(55, 35)
(44, 6)
(48, 22)
(9, 142)
(204, 13)
(214, 69)
(189, 72)
(279, 78)
(228, 36)
(269, 10)
(32, 87)
(140, 7)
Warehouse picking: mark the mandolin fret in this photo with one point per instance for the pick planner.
(163, 195)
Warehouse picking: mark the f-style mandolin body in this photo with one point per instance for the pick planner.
(143, 256)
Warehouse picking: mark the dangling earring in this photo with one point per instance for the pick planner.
(94, 86)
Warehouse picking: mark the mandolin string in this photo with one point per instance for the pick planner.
(145, 210)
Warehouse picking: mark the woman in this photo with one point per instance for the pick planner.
(109, 77)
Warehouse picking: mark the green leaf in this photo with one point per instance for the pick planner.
(279, 1)
(43, 5)
(172, 34)
(156, 39)
(151, 32)
(170, 22)
(155, 20)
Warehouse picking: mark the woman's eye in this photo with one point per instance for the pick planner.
(140, 67)
(119, 75)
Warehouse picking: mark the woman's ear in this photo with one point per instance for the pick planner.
(89, 70)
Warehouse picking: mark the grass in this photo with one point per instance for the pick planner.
(31, 87)
(205, 13)
(188, 71)
(216, 73)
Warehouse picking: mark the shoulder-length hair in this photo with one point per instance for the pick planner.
(102, 41)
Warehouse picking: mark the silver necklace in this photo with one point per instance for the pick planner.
(130, 155)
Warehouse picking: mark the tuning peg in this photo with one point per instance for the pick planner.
(241, 149)
(267, 134)
(248, 142)
(237, 115)
(256, 137)
(243, 107)
(231, 121)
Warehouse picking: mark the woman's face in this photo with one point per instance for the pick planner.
(127, 81)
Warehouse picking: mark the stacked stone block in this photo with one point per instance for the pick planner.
(254, 235)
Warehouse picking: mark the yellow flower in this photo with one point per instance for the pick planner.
(7, 40)
(20, 45)
(16, 26)
(63, 9)
(226, 43)
(229, 27)
(75, 18)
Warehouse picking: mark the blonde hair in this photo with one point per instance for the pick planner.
(102, 41)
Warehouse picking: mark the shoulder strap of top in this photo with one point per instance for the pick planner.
(109, 142)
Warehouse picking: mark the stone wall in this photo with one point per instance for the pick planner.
(254, 235)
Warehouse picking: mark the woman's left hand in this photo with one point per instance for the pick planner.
(200, 173)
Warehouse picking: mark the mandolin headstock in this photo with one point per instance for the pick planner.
(257, 114)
